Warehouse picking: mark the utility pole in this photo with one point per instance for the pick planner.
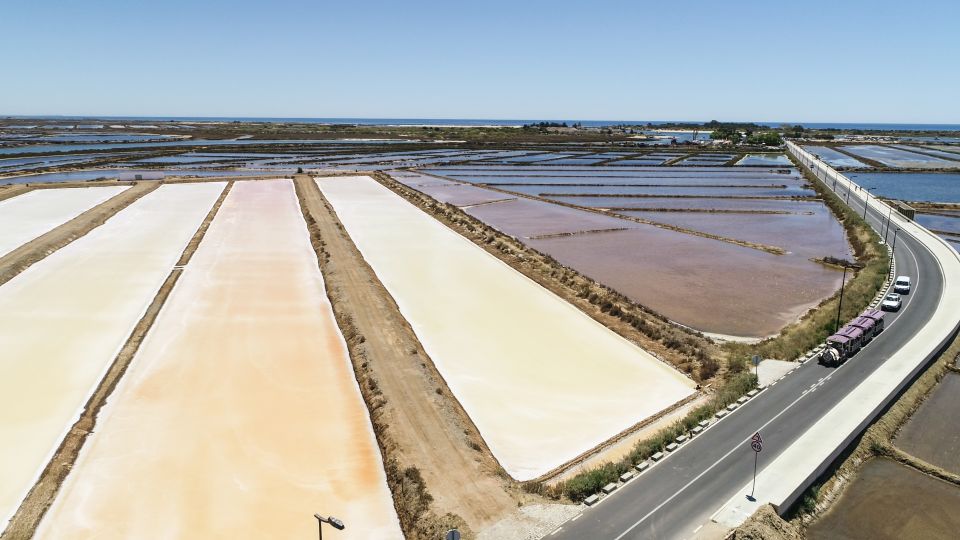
(840, 305)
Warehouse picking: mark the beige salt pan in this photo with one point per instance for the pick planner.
(542, 381)
(240, 416)
(63, 320)
(36, 212)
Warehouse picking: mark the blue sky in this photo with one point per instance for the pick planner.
(806, 61)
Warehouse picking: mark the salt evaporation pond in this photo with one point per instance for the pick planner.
(637, 162)
(528, 218)
(953, 156)
(25, 217)
(811, 231)
(502, 342)
(682, 190)
(81, 302)
(911, 186)
(894, 157)
(765, 159)
(939, 223)
(834, 158)
(688, 203)
(458, 194)
(94, 174)
(241, 402)
(750, 293)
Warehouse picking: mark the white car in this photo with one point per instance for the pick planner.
(902, 285)
(891, 302)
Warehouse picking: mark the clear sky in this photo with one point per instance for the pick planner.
(812, 61)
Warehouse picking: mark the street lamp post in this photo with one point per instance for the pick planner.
(843, 282)
(893, 248)
(866, 201)
(334, 522)
(886, 226)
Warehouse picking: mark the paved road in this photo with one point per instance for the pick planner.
(677, 496)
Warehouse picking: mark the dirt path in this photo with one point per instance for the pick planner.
(41, 496)
(24, 256)
(418, 423)
(13, 190)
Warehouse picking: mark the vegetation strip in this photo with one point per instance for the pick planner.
(41, 496)
(574, 233)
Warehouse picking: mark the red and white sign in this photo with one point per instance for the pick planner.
(756, 443)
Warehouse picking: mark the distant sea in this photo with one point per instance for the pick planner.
(439, 122)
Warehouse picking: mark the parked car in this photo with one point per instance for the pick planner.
(891, 302)
(902, 285)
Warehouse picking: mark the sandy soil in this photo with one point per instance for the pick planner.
(13, 190)
(770, 370)
(569, 385)
(242, 350)
(422, 428)
(34, 213)
(889, 500)
(89, 295)
(21, 258)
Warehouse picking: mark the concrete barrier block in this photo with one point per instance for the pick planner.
(682, 439)
(657, 457)
(642, 466)
(704, 423)
(743, 400)
(627, 476)
(609, 488)
(672, 446)
(732, 407)
(696, 431)
(753, 392)
(721, 414)
(591, 500)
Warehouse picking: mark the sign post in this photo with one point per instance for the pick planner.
(756, 366)
(756, 444)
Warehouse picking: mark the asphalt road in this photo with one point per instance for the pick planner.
(676, 497)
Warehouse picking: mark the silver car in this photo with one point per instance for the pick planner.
(891, 302)
(902, 284)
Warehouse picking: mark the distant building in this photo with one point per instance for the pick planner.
(141, 175)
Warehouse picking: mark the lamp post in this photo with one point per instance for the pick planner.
(886, 225)
(893, 248)
(843, 282)
(866, 201)
(334, 522)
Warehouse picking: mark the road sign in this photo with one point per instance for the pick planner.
(756, 359)
(452, 534)
(756, 437)
(757, 447)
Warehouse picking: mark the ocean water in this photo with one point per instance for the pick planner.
(492, 122)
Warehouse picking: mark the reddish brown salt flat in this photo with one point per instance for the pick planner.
(705, 284)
